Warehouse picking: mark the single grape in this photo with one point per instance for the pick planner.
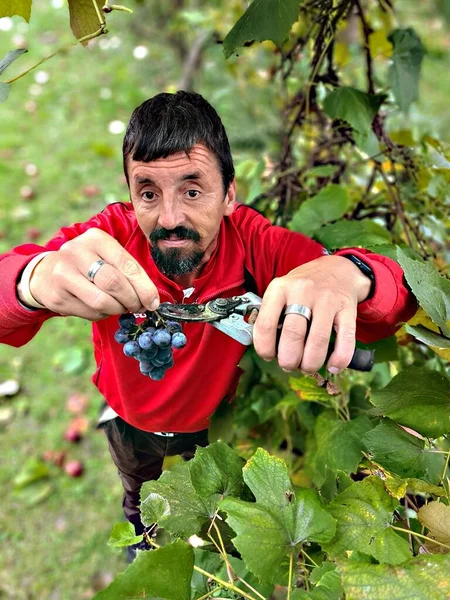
(173, 326)
(157, 373)
(150, 329)
(127, 321)
(162, 338)
(131, 348)
(179, 340)
(122, 336)
(145, 340)
(169, 363)
(150, 353)
(163, 353)
(145, 367)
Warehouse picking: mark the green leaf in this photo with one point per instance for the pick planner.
(307, 389)
(156, 507)
(242, 571)
(187, 513)
(431, 289)
(404, 72)
(418, 398)
(217, 471)
(385, 350)
(208, 561)
(322, 171)
(348, 234)
(398, 487)
(339, 444)
(123, 534)
(83, 17)
(428, 337)
(263, 20)
(270, 529)
(72, 361)
(22, 8)
(163, 574)
(4, 91)
(327, 580)
(330, 204)
(397, 450)
(10, 57)
(422, 578)
(358, 109)
(364, 512)
(33, 470)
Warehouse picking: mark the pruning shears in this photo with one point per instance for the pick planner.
(236, 316)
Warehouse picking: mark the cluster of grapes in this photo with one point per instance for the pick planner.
(151, 343)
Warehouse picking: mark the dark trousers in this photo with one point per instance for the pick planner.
(139, 457)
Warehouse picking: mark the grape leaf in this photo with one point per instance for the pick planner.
(396, 450)
(431, 289)
(348, 234)
(270, 529)
(83, 17)
(435, 516)
(217, 470)
(404, 72)
(339, 444)
(123, 534)
(330, 204)
(4, 91)
(422, 578)
(398, 487)
(418, 398)
(22, 8)
(358, 109)
(163, 574)
(363, 512)
(263, 20)
(156, 507)
(10, 57)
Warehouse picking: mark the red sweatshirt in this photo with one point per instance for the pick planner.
(205, 371)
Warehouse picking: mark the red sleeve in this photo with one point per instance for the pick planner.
(273, 251)
(18, 325)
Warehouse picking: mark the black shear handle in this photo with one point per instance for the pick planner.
(362, 360)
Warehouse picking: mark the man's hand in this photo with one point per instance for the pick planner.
(60, 281)
(332, 287)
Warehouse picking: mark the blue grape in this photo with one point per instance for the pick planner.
(122, 336)
(127, 321)
(145, 340)
(173, 326)
(157, 373)
(145, 367)
(131, 348)
(162, 338)
(179, 340)
(150, 353)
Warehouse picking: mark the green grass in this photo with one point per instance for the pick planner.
(56, 548)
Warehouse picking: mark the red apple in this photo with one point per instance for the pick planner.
(26, 192)
(74, 468)
(72, 435)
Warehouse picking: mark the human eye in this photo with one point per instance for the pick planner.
(148, 196)
(193, 193)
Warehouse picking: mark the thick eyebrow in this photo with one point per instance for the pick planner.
(188, 177)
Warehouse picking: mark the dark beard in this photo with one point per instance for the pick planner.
(171, 262)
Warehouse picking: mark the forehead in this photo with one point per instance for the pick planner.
(199, 158)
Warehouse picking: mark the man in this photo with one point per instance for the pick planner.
(184, 238)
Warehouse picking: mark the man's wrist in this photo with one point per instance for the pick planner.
(23, 285)
(369, 288)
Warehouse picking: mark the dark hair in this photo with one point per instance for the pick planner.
(171, 123)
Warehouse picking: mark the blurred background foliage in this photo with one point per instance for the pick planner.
(60, 162)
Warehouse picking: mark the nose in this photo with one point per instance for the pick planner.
(170, 215)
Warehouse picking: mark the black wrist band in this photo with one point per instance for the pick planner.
(365, 269)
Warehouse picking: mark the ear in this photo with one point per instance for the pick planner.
(230, 198)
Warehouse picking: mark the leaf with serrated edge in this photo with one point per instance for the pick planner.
(164, 574)
(428, 337)
(364, 512)
(435, 516)
(404, 72)
(431, 289)
(187, 512)
(330, 204)
(422, 578)
(10, 57)
(263, 20)
(22, 8)
(270, 529)
(156, 507)
(348, 234)
(83, 17)
(217, 469)
(123, 534)
(396, 450)
(398, 487)
(418, 398)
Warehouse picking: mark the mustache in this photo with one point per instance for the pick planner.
(182, 233)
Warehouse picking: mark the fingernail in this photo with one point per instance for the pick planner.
(334, 370)
(267, 359)
(154, 305)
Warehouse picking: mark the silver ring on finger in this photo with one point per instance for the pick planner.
(93, 269)
(298, 309)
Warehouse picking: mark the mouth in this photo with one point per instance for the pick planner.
(174, 242)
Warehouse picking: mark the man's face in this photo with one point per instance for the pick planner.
(179, 204)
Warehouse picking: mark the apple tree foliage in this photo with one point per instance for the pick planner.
(320, 489)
